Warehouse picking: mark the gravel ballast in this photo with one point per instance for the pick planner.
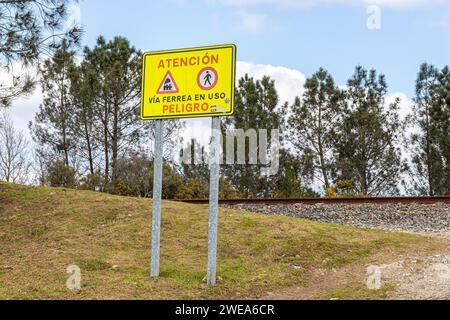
(411, 217)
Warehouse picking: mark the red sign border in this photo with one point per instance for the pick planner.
(198, 78)
(174, 83)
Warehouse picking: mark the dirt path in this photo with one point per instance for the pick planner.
(419, 277)
(323, 281)
(410, 276)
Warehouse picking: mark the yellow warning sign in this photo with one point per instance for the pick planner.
(188, 83)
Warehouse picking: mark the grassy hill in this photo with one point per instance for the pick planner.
(43, 230)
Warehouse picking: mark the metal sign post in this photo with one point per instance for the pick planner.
(214, 171)
(157, 187)
(188, 83)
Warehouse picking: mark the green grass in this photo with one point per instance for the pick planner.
(43, 230)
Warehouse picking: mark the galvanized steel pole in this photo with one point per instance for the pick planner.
(157, 187)
(213, 199)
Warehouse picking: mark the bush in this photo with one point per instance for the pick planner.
(226, 191)
(60, 175)
(134, 176)
(92, 181)
(330, 192)
(123, 189)
(194, 189)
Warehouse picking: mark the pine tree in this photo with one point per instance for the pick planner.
(289, 179)
(440, 129)
(428, 170)
(84, 121)
(423, 170)
(117, 69)
(313, 122)
(256, 108)
(114, 69)
(366, 148)
(52, 128)
(29, 30)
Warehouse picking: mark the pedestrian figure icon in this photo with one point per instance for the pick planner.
(168, 84)
(207, 78)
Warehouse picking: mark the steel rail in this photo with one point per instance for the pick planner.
(269, 201)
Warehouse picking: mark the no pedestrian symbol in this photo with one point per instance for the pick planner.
(207, 78)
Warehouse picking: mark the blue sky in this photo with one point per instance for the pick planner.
(297, 34)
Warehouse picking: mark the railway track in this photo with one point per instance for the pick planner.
(269, 201)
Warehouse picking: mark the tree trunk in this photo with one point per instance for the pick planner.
(114, 145)
(105, 141)
(66, 153)
(321, 152)
(89, 148)
(428, 153)
(64, 123)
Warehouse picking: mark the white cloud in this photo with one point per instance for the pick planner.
(251, 22)
(288, 82)
(406, 104)
(24, 109)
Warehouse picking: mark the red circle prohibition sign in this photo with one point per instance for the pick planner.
(199, 81)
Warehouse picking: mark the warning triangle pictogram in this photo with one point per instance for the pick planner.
(168, 84)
